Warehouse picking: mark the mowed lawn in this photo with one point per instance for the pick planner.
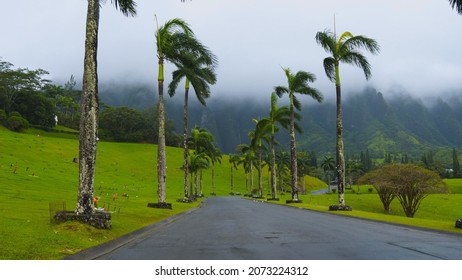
(38, 168)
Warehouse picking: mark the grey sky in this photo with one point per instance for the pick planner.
(253, 39)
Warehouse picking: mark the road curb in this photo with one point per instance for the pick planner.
(98, 251)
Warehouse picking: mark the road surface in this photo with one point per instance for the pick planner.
(241, 229)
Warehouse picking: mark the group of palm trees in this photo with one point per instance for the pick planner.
(177, 44)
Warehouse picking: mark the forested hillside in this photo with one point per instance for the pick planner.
(397, 124)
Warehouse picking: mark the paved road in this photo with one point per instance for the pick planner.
(236, 228)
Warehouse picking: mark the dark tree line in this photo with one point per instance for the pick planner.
(28, 98)
(21, 98)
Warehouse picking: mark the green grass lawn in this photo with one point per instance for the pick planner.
(437, 211)
(37, 168)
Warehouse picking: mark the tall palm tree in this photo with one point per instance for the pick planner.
(247, 160)
(198, 162)
(303, 166)
(199, 71)
(281, 116)
(89, 104)
(233, 160)
(297, 83)
(346, 50)
(260, 134)
(457, 5)
(282, 164)
(169, 47)
(201, 141)
(328, 166)
(215, 156)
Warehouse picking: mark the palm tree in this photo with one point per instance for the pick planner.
(169, 47)
(215, 156)
(297, 83)
(328, 166)
(344, 50)
(282, 164)
(202, 142)
(247, 161)
(198, 162)
(303, 166)
(457, 5)
(89, 104)
(260, 133)
(233, 161)
(199, 71)
(281, 116)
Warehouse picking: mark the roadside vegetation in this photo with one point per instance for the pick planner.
(37, 168)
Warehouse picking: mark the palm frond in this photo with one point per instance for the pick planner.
(314, 93)
(359, 60)
(457, 5)
(327, 41)
(280, 90)
(344, 37)
(177, 75)
(329, 68)
(296, 103)
(358, 42)
(127, 7)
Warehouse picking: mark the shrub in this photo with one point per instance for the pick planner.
(409, 183)
(16, 122)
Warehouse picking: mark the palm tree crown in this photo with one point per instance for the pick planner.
(345, 49)
(298, 83)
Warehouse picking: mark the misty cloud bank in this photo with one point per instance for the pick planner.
(395, 122)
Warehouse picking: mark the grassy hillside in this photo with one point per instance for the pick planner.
(36, 169)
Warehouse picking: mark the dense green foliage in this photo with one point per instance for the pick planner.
(409, 183)
(123, 124)
(20, 91)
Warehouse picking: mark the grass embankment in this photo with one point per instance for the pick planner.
(37, 168)
(437, 211)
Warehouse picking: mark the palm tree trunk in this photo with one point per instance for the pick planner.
(273, 169)
(246, 182)
(293, 153)
(232, 180)
(195, 184)
(251, 175)
(201, 181)
(340, 151)
(260, 177)
(89, 113)
(191, 190)
(185, 139)
(161, 158)
(213, 178)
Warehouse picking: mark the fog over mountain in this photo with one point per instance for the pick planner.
(380, 122)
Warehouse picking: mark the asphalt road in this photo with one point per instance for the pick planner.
(240, 229)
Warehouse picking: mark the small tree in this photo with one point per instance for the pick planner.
(409, 183)
(380, 179)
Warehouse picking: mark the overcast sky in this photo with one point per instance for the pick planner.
(420, 41)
